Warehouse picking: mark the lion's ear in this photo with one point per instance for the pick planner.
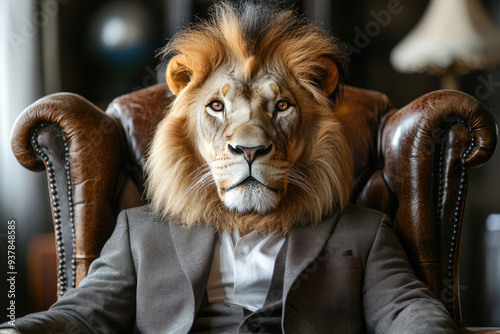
(178, 74)
(330, 78)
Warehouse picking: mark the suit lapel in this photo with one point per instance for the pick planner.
(194, 248)
(304, 247)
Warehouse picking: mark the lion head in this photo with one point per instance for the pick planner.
(251, 141)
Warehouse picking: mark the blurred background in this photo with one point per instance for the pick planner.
(103, 48)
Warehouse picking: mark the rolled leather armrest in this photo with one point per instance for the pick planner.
(80, 148)
(424, 146)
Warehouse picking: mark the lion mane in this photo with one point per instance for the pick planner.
(253, 38)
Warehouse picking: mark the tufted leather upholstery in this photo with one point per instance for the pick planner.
(412, 163)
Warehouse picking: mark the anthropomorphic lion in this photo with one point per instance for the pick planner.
(249, 226)
(251, 142)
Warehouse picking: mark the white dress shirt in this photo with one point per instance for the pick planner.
(242, 269)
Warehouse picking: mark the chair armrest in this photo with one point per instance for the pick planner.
(424, 146)
(79, 146)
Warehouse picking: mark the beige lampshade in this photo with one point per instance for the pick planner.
(456, 35)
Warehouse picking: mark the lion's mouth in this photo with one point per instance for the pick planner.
(251, 182)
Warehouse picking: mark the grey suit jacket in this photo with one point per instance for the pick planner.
(347, 274)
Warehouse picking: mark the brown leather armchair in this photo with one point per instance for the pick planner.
(412, 163)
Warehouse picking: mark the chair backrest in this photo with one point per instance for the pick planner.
(411, 163)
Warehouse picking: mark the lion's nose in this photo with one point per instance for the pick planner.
(250, 153)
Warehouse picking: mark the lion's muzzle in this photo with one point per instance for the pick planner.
(250, 153)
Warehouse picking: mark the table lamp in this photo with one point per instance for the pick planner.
(452, 38)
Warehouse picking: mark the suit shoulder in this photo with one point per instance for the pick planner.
(363, 222)
(139, 211)
(142, 217)
(357, 229)
(365, 214)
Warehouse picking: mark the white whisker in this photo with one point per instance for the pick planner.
(202, 178)
(298, 178)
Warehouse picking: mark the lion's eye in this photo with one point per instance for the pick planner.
(216, 105)
(283, 105)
